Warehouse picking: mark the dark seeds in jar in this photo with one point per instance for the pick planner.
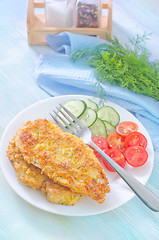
(87, 15)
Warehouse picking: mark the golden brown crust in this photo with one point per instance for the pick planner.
(57, 193)
(63, 157)
(32, 176)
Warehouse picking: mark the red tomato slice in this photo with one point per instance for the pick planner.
(126, 127)
(114, 140)
(136, 139)
(117, 156)
(136, 156)
(102, 144)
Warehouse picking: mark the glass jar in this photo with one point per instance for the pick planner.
(88, 13)
(60, 13)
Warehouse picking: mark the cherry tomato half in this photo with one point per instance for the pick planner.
(102, 144)
(117, 156)
(114, 140)
(126, 127)
(136, 156)
(136, 139)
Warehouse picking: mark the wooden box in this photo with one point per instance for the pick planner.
(37, 29)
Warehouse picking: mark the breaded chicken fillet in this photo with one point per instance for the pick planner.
(63, 157)
(32, 176)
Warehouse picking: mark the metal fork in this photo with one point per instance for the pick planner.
(75, 126)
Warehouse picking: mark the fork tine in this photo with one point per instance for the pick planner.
(69, 120)
(65, 123)
(58, 123)
(73, 117)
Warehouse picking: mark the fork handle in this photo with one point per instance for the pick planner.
(145, 195)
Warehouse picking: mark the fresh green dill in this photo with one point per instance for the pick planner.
(123, 65)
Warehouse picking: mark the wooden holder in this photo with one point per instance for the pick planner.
(37, 30)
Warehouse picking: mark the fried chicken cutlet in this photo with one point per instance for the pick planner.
(32, 176)
(63, 157)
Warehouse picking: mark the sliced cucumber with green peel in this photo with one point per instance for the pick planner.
(110, 128)
(98, 129)
(88, 117)
(76, 107)
(109, 114)
(101, 121)
(90, 104)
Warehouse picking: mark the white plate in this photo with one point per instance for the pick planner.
(120, 192)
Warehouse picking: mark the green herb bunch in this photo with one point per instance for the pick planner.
(123, 65)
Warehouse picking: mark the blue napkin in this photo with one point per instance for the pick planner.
(58, 75)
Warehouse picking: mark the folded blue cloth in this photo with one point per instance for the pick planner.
(57, 75)
(66, 42)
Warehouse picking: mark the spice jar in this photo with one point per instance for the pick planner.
(88, 13)
(60, 13)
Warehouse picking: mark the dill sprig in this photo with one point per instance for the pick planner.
(123, 65)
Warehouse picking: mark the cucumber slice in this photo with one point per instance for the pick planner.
(110, 128)
(109, 114)
(76, 107)
(98, 129)
(90, 104)
(88, 117)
